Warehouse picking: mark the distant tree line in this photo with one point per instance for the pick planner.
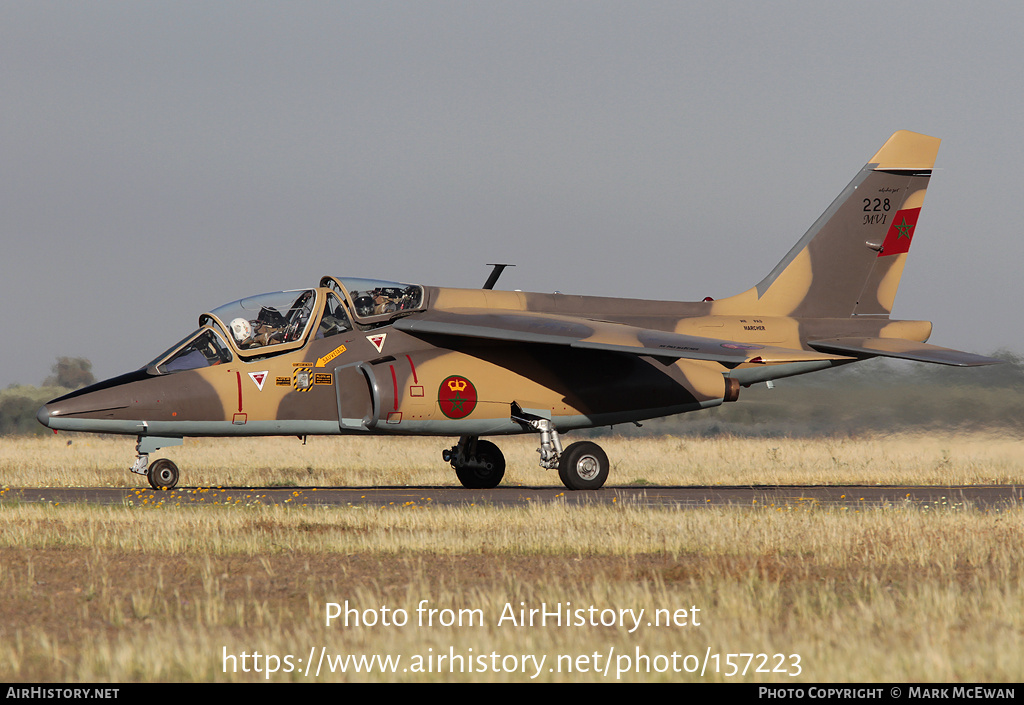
(20, 403)
(70, 373)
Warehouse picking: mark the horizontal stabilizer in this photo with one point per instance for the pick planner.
(551, 329)
(902, 349)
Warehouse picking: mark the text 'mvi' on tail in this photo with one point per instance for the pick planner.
(849, 263)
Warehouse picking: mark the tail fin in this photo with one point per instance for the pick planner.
(850, 261)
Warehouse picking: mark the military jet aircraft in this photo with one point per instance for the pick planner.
(361, 356)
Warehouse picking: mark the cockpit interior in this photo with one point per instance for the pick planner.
(269, 324)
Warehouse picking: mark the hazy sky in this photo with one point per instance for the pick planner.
(163, 158)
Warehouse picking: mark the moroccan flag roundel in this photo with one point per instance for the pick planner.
(457, 397)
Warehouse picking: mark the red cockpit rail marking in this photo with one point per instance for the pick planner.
(394, 383)
(239, 376)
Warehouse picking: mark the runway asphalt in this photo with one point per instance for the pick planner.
(976, 497)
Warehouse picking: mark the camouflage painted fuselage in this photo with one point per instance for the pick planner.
(401, 359)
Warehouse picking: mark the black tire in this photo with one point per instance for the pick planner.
(583, 466)
(162, 474)
(484, 470)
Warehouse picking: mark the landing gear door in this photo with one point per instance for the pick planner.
(358, 397)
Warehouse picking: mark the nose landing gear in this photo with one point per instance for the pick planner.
(162, 474)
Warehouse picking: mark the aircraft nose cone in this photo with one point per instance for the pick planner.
(43, 415)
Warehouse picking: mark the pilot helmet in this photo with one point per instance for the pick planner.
(242, 330)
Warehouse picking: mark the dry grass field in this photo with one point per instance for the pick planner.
(77, 460)
(141, 593)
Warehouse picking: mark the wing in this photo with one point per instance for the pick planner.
(903, 349)
(552, 329)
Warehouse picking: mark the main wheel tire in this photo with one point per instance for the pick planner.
(162, 474)
(583, 466)
(484, 470)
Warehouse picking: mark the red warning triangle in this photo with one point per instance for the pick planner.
(259, 378)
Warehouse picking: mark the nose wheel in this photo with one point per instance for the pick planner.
(162, 474)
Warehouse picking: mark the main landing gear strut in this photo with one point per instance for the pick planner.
(480, 465)
(581, 466)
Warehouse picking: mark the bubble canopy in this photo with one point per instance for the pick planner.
(275, 322)
(267, 319)
(375, 300)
